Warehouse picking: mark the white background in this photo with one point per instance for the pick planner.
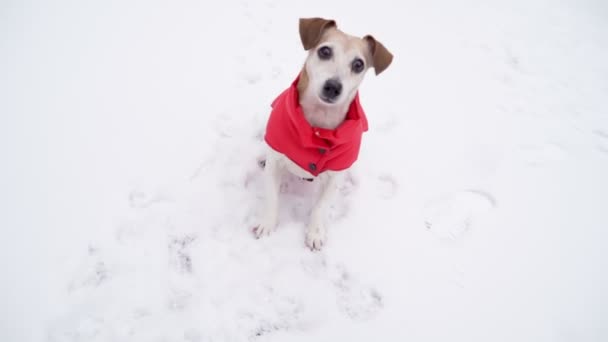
(129, 134)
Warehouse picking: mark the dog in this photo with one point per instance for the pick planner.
(315, 128)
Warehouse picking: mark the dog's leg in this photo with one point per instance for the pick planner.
(272, 185)
(316, 232)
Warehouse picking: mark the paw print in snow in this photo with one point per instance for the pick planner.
(93, 272)
(355, 300)
(542, 154)
(387, 186)
(179, 254)
(602, 143)
(451, 216)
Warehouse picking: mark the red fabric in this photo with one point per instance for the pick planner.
(314, 149)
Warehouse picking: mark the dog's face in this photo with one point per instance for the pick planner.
(337, 62)
(336, 66)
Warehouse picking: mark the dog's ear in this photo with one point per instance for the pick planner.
(311, 30)
(381, 57)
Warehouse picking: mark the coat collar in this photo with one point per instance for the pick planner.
(354, 123)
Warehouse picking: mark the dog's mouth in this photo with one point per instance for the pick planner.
(328, 100)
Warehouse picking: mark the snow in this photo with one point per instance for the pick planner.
(130, 132)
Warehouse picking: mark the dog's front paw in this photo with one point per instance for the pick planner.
(264, 229)
(315, 237)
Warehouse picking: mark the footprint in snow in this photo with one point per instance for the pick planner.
(276, 72)
(387, 186)
(179, 253)
(178, 300)
(140, 199)
(92, 273)
(449, 217)
(543, 154)
(251, 77)
(602, 144)
(355, 300)
(286, 314)
(388, 125)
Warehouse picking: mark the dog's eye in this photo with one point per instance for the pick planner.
(324, 52)
(357, 65)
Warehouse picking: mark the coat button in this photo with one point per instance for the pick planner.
(322, 150)
(312, 166)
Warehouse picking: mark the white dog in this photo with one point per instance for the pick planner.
(315, 128)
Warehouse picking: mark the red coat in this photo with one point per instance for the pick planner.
(314, 149)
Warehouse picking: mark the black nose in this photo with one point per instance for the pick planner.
(332, 89)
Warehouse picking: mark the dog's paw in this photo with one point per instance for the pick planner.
(264, 229)
(315, 237)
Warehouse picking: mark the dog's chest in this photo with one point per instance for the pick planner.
(325, 120)
(322, 116)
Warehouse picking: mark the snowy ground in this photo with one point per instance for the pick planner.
(129, 133)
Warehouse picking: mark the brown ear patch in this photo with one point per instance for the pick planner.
(303, 81)
(381, 57)
(311, 30)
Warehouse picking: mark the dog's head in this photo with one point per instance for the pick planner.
(337, 62)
